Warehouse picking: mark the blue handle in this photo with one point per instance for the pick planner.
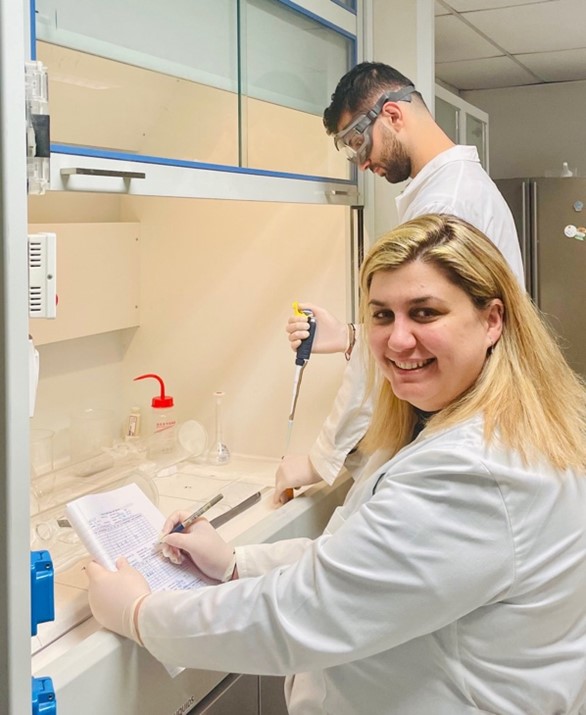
(304, 350)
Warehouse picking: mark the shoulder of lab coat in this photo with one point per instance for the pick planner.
(454, 182)
(347, 421)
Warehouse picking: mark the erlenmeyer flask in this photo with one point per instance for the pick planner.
(219, 452)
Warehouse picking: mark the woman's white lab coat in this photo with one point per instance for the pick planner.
(457, 587)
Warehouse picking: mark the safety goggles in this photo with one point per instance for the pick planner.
(356, 139)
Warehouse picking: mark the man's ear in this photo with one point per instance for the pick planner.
(392, 113)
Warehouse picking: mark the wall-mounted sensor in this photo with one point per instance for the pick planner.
(42, 275)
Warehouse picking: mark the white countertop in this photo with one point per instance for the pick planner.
(186, 486)
(80, 656)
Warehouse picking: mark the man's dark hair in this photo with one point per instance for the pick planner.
(361, 87)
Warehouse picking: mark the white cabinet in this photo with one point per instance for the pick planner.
(227, 87)
(98, 280)
(462, 122)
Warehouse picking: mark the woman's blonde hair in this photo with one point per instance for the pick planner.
(526, 391)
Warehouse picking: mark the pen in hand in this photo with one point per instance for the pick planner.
(196, 514)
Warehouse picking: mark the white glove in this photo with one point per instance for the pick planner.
(331, 335)
(202, 543)
(115, 595)
(294, 471)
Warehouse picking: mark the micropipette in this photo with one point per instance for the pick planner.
(301, 359)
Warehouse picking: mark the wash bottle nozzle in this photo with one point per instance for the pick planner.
(161, 401)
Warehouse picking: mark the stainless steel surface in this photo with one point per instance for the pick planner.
(556, 268)
(235, 694)
(272, 695)
(533, 243)
(235, 510)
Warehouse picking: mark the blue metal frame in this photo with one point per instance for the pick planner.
(330, 25)
(185, 164)
(33, 17)
(351, 8)
(322, 21)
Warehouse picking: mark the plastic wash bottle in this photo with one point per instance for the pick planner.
(161, 430)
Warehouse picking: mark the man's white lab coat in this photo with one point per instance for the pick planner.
(454, 182)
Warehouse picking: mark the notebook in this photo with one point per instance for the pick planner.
(124, 522)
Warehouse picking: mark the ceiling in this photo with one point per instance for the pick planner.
(486, 44)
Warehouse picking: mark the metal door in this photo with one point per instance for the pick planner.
(560, 261)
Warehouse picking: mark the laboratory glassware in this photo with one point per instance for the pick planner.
(219, 452)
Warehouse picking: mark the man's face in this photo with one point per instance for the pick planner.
(386, 156)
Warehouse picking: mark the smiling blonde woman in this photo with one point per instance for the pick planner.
(452, 581)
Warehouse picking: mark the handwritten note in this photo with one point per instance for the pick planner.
(124, 522)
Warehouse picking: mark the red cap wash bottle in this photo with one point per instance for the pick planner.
(161, 432)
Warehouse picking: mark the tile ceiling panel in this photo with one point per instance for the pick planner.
(454, 40)
(484, 74)
(440, 9)
(542, 27)
(563, 66)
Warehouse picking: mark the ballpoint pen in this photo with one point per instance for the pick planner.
(196, 514)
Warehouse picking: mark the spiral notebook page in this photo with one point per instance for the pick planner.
(124, 522)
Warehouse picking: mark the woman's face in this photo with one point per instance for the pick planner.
(427, 336)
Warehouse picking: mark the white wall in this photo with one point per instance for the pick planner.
(217, 282)
(218, 279)
(534, 129)
(402, 36)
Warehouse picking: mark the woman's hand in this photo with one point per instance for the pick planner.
(202, 543)
(331, 335)
(294, 471)
(114, 595)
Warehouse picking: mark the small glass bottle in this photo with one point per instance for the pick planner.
(133, 426)
(219, 452)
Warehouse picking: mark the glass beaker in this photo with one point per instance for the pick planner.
(90, 431)
(219, 452)
(41, 462)
(41, 451)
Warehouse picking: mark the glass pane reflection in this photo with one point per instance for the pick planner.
(291, 66)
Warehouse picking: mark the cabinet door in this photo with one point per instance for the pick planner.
(224, 83)
(143, 77)
(235, 694)
(290, 65)
(462, 122)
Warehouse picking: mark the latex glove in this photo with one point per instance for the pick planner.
(202, 544)
(114, 596)
(294, 471)
(331, 335)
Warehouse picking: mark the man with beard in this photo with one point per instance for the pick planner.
(382, 123)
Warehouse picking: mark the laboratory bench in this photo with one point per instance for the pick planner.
(97, 671)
